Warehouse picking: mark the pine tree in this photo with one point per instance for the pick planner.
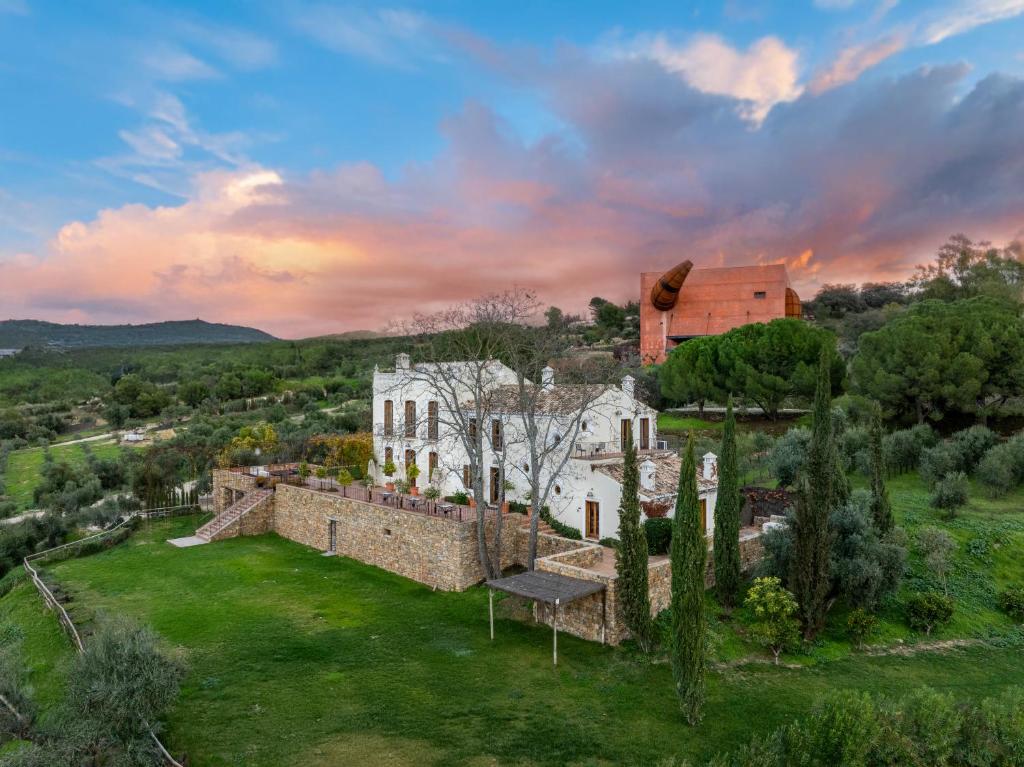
(631, 562)
(727, 517)
(881, 509)
(816, 498)
(689, 560)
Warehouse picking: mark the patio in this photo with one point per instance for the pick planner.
(288, 474)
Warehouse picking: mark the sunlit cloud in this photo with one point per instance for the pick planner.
(760, 77)
(855, 60)
(966, 15)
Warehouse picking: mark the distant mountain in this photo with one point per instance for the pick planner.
(17, 334)
(351, 335)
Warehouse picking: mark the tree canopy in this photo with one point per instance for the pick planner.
(942, 357)
(763, 363)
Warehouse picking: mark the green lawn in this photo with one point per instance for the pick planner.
(298, 659)
(672, 423)
(24, 466)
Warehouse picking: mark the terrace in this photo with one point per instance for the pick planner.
(288, 474)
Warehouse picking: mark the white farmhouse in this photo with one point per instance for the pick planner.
(413, 423)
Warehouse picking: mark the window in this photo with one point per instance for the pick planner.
(558, 489)
(645, 433)
(410, 418)
(467, 481)
(389, 418)
(472, 429)
(431, 466)
(495, 483)
(389, 455)
(432, 419)
(410, 461)
(496, 434)
(760, 294)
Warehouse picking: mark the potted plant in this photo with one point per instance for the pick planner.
(345, 477)
(508, 487)
(471, 499)
(389, 472)
(304, 471)
(402, 486)
(431, 493)
(411, 473)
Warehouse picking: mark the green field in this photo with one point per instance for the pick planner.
(672, 423)
(24, 466)
(298, 659)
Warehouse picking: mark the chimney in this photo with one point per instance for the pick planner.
(402, 361)
(710, 466)
(647, 469)
(629, 385)
(547, 378)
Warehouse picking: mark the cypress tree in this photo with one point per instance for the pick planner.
(631, 562)
(727, 517)
(816, 498)
(881, 509)
(689, 561)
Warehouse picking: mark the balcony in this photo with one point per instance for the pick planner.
(589, 450)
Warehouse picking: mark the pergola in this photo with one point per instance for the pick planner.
(551, 589)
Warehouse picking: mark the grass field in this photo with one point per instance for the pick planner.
(298, 659)
(24, 466)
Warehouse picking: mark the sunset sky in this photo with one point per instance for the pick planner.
(316, 167)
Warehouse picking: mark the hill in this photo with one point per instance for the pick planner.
(17, 334)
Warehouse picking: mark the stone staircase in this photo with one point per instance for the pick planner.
(543, 528)
(232, 514)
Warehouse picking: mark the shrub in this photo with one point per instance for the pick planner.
(950, 493)
(778, 547)
(659, 534)
(788, 455)
(865, 567)
(997, 471)
(861, 624)
(903, 448)
(564, 530)
(611, 543)
(971, 444)
(924, 728)
(937, 462)
(937, 548)
(774, 611)
(462, 498)
(1011, 601)
(853, 446)
(928, 609)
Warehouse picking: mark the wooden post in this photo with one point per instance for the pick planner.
(490, 601)
(554, 625)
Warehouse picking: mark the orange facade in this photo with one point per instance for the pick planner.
(713, 301)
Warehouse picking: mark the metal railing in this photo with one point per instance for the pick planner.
(608, 449)
(62, 614)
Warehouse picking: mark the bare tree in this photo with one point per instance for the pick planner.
(487, 362)
(551, 414)
(458, 348)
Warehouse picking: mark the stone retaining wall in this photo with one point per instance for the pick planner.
(438, 552)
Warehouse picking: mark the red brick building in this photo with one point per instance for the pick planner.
(710, 302)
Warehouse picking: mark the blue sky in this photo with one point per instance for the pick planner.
(376, 128)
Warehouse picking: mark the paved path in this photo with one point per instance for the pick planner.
(187, 541)
(21, 517)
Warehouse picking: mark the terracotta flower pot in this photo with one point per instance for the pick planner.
(504, 508)
(389, 486)
(414, 490)
(472, 503)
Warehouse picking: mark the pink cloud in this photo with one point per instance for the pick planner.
(853, 184)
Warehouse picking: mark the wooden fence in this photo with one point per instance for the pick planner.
(62, 614)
